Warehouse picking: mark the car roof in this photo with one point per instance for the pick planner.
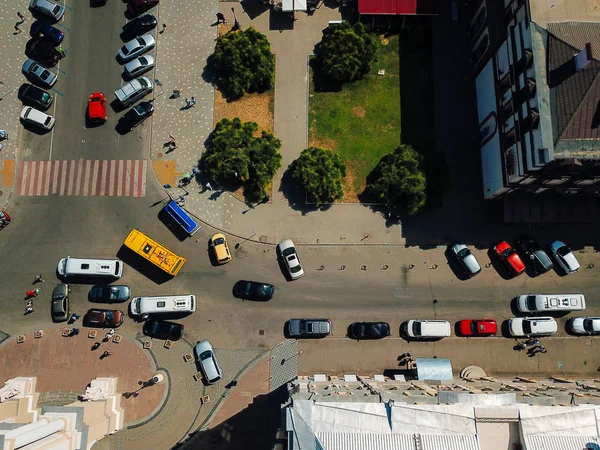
(34, 114)
(287, 243)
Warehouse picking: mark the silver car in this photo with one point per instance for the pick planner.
(466, 259)
(38, 72)
(564, 257)
(208, 362)
(585, 325)
(136, 47)
(290, 257)
(47, 8)
(308, 328)
(138, 66)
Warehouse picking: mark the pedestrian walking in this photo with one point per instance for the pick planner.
(39, 279)
(164, 28)
(172, 141)
(187, 103)
(74, 318)
(17, 29)
(32, 293)
(220, 18)
(208, 186)
(96, 345)
(21, 16)
(193, 100)
(532, 342)
(106, 354)
(29, 308)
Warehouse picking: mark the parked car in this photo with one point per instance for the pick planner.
(564, 257)
(584, 325)
(96, 109)
(42, 51)
(426, 329)
(47, 8)
(162, 329)
(140, 25)
(208, 362)
(509, 257)
(133, 91)
(45, 32)
(111, 293)
(104, 318)
(34, 96)
(466, 259)
(308, 328)
(137, 7)
(136, 47)
(60, 303)
(139, 66)
(136, 115)
(39, 73)
(37, 118)
(253, 290)
(288, 252)
(538, 259)
(532, 326)
(477, 327)
(218, 243)
(369, 330)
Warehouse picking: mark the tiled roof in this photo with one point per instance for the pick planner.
(575, 96)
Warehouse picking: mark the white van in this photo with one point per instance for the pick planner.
(550, 302)
(87, 267)
(427, 329)
(172, 304)
(134, 90)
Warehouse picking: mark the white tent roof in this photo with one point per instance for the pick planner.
(552, 421)
(433, 419)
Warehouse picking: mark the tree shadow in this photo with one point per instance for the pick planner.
(294, 194)
(320, 82)
(254, 8)
(255, 427)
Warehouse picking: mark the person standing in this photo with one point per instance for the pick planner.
(193, 99)
(39, 279)
(21, 16)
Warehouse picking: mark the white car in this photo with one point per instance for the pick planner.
(138, 66)
(292, 261)
(40, 73)
(136, 47)
(466, 259)
(208, 362)
(37, 118)
(585, 325)
(564, 257)
(47, 8)
(532, 326)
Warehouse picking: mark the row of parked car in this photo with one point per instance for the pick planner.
(527, 249)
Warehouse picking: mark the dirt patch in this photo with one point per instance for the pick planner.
(250, 108)
(325, 144)
(358, 111)
(350, 191)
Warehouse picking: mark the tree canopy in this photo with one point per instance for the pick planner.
(234, 156)
(243, 62)
(398, 181)
(346, 52)
(319, 173)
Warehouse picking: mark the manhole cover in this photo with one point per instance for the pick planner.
(261, 332)
(262, 239)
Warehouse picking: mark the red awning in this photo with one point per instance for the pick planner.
(388, 7)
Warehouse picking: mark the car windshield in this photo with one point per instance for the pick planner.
(143, 61)
(527, 327)
(563, 251)
(56, 10)
(474, 327)
(140, 110)
(417, 328)
(464, 253)
(296, 269)
(219, 241)
(205, 355)
(109, 316)
(288, 251)
(508, 252)
(531, 303)
(141, 42)
(302, 327)
(588, 325)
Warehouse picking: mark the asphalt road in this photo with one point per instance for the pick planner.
(44, 229)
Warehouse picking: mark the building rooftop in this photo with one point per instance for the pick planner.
(398, 7)
(544, 12)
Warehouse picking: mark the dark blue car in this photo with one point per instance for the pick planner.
(45, 32)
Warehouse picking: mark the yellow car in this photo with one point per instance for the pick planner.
(220, 247)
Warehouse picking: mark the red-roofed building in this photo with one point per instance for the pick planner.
(398, 7)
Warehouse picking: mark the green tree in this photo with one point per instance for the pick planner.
(235, 156)
(398, 181)
(346, 52)
(243, 62)
(319, 172)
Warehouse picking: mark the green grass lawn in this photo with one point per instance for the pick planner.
(361, 122)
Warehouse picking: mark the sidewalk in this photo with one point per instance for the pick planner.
(12, 57)
(180, 67)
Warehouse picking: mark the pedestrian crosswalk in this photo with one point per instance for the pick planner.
(119, 178)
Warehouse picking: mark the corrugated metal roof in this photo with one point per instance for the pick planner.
(449, 442)
(561, 442)
(366, 441)
(388, 7)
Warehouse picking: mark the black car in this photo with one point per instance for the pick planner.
(369, 330)
(140, 25)
(34, 96)
(538, 259)
(161, 329)
(109, 293)
(136, 115)
(43, 52)
(60, 303)
(253, 290)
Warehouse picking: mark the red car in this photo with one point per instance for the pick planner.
(97, 108)
(477, 327)
(509, 256)
(137, 7)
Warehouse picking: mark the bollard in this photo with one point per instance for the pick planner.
(363, 267)
(411, 266)
(320, 267)
(385, 267)
(342, 267)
